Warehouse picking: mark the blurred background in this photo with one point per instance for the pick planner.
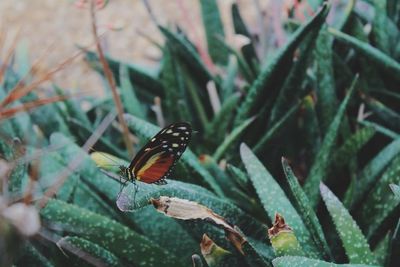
(127, 26)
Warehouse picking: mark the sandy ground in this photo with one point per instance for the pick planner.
(44, 22)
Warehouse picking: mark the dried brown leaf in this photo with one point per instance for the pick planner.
(10, 112)
(189, 210)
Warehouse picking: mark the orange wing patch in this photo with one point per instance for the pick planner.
(155, 168)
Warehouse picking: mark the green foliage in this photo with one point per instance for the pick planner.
(354, 242)
(301, 103)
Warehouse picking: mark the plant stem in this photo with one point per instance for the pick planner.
(109, 76)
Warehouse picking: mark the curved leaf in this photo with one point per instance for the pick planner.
(296, 261)
(274, 199)
(354, 242)
(109, 234)
(320, 166)
(266, 85)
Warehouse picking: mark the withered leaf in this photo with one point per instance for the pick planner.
(189, 210)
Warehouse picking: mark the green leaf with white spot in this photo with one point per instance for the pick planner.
(97, 254)
(381, 203)
(320, 166)
(111, 235)
(296, 261)
(274, 199)
(354, 242)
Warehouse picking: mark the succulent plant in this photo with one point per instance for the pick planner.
(308, 129)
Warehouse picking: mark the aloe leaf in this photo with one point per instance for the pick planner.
(325, 81)
(243, 65)
(322, 160)
(351, 146)
(188, 54)
(188, 158)
(231, 139)
(311, 129)
(120, 240)
(306, 212)
(248, 50)
(73, 109)
(98, 255)
(164, 231)
(30, 256)
(50, 166)
(228, 83)
(395, 189)
(145, 81)
(276, 128)
(292, 89)
(172, 80)
(128, 95)
(274, 199)
(393, 258)
(380, 129)
(257, 253)
(48, 118)
(238, 176)
(196, 261)
(196, 100)
(354, 242)
(296, 261)
(381, 250)
(129, 202)
(268, 82)
(388, 116)
(96, 191)
(103, 143)
(380, 203)
(370, 173)
(215, 170)
(213, 27)
(380, 26)
(393, 8)
(383, 61)
(218, 127)
(341, 20)
(13, 151)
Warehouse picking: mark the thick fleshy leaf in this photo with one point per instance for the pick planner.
(354, 242)
(322, 160)
(120, 240)
(95, 253)
(268, 82)
(385, 62)
(231, 139)
(274, 199)
(306, 212)
(214, 29)
(295, 261)
(128, 94)
(381, 203)
(370, 173)
(325, 82)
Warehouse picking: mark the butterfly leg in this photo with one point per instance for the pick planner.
(122, 185)
(136, 186)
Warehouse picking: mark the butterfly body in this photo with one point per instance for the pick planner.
(154, 162)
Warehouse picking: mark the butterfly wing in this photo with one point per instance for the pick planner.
(154, 162)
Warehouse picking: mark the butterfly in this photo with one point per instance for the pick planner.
(155, 161)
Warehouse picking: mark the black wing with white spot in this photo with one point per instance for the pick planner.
(154, 162)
